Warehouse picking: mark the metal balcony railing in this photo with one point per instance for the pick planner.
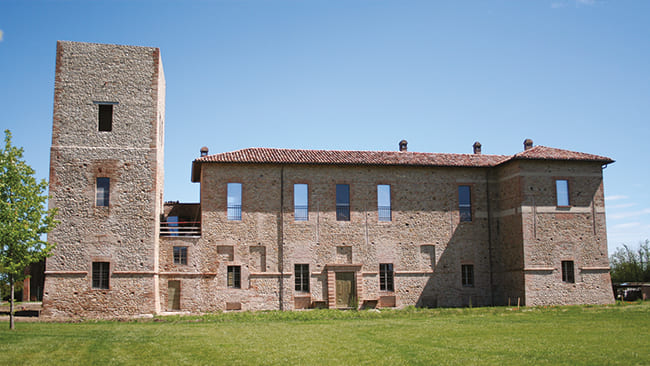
(342, 212)
(180, 228)
(465, 213)
(301, 213)
(234, 212)
(384, 213)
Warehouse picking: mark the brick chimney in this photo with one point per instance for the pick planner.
(402, 145)
(204, 151)
(528, 144)
(477, 148)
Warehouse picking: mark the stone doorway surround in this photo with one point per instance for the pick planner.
(332, 269)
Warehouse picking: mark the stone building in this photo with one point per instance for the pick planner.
(106, 178)
(292, 229)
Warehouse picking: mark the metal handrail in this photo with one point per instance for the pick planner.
(384, 213)
(301, 212)
(180, 228)
(234, 212)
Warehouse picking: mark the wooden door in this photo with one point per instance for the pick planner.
(174, 295)
(345, 289)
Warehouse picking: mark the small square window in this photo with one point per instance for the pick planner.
(467, 271)
(103, 191)
(105, 117)
(568, 272)
(180, 255)
(302, 277)
(234, 276)
(562, 192)
(386, 277)
(100, 275)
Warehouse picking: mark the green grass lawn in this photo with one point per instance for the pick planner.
(574, 335)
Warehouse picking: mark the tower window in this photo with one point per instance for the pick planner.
(105, 117)
(100, 275)
(103, 191)
(568, 272)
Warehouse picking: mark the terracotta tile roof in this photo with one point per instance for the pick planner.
(261, 155)
(549, 153)
(343, 157)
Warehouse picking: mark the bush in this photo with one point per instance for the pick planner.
(629, 265)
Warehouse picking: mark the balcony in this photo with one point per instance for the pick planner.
(181, 219)
(180, 228)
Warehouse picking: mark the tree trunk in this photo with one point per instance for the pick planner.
(11, 304)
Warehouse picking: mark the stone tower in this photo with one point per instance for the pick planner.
(106, 178)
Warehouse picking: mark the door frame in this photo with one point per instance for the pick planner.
(331, 270)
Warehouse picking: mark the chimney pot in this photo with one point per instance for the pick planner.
(402, 145)
(528, 144)
(204, 151)
(477, 148)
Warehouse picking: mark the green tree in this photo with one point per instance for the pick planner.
(629, 265)
(23, 217)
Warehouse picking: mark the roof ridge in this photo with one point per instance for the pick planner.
(359, 151)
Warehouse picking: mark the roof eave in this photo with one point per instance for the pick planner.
(197, 163)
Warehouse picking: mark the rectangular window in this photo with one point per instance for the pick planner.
(467, 271)
(383, 202)
(301, 202)
(386, 281)
(234, 201)
(103, 191)
(234, 276)
(465, 203)
(105, 117)
(100, 275)
(562, 191)
(342, 202)
(180, 255)
(567, 272)
(302, 277)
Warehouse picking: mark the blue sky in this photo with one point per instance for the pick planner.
(363, 75)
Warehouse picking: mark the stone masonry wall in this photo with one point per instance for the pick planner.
(124, 233)
(533, 236)
(424, 241)
(506, 232)
(554, 234)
